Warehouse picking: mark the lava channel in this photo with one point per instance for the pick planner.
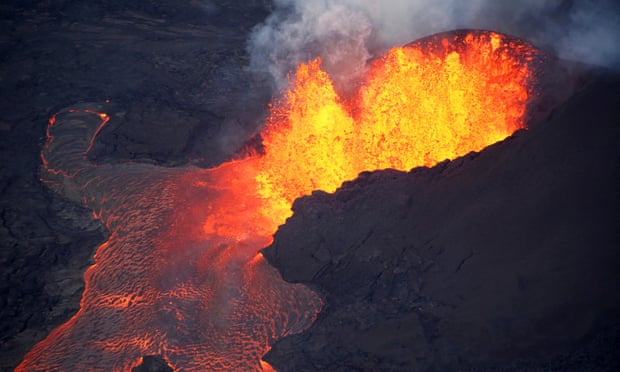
(181, 274)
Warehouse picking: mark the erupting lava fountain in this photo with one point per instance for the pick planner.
(180, 274)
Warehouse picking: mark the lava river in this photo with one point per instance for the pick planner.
(181, 274)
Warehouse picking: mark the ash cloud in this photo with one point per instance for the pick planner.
(346, 33)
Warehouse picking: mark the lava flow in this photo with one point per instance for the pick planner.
(180, 275)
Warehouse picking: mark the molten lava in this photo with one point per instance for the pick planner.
(420, 104)
(180, 274)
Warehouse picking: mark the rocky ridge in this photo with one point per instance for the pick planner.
(500, 260)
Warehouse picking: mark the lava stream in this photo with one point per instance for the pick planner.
(180, 275)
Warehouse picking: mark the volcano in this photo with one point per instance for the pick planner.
(181, 275)
(501, 260)
(472, 264)
(396, 269)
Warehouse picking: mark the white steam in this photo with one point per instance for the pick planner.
(346, 33)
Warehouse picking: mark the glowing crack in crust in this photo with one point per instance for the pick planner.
(180, 275)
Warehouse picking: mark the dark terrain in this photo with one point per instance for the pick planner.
(175, 74)
(504, 260)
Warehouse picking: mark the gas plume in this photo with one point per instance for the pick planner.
(347, 33)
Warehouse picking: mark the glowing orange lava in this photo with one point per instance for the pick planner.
(420, 104)
(180, 275)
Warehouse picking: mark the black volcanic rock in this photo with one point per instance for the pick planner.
(504, 259)
(176, 75)
(152, 363)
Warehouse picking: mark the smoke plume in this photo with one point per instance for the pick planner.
(346, 33)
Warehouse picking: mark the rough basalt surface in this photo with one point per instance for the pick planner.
(502, 260)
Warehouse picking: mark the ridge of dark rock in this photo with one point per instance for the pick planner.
(505, 259)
